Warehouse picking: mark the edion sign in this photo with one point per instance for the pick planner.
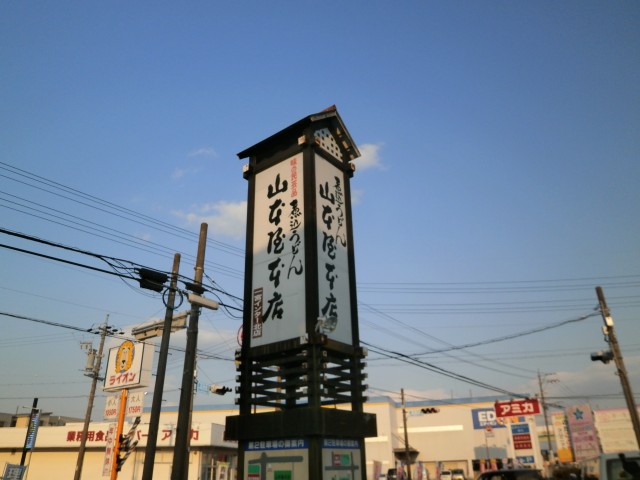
(514, 408)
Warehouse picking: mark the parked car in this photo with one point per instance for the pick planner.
(446, 475)
(457, 474)
(512, 474)
(392, 474)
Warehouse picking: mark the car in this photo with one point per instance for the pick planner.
(512, 474)
(457, 474)
(446, 475)
(392, 474)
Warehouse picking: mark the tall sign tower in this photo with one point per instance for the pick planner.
(301, 362)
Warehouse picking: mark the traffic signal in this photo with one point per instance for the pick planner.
(152, 279)
(219, 389)
(430, 410)
(605, 356)
(127, 445)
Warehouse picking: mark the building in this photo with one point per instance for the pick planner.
(461, 433)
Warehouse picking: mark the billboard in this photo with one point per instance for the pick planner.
(334, 298)
(278, 289)
(561, 434)
(583, 432)
(128, 366)
(518, 407)
(486, 417)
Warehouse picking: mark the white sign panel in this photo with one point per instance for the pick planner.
(583, 432)
(333, 259)
(128, 366)
(111, 405)
(341, 458)
(135, 404)
(278, 290)
(108, 453)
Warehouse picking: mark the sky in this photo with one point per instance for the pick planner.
(498, 183)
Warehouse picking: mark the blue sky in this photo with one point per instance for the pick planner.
(498, 184)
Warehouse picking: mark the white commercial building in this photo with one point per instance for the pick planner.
(463, 433)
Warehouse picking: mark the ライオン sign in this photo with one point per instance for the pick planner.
(128, 366)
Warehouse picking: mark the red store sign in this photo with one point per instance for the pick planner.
(513, 408)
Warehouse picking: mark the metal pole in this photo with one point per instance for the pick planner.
(617, 356)
(406, 435)
(156, 405)
(95, 373)
(180, 467)
(34, 410)
(116, 447)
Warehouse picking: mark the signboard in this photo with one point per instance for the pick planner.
(111, 407)
(341, 458)
(109, 451)
(222, 470)
(334, 297)
(561, 434)
(583, 432)
(128, 366)
(484, 417)
(512, 408)
(271, 459)
(14, 472)
(32, 430)
(615, 430)
(278, 289)
(521, 436)
(135, 405)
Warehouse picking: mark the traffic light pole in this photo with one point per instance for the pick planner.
(156, 406)
(180, 466)
(617, 357)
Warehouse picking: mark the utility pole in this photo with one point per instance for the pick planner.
(94, 374)
(156, 406)
(546, 420)
(617, 357)
(180, 467)
(406, 435)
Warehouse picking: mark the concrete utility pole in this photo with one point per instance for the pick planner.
(95, 375)
(156, 405)
(406, 435)
(180, 467)
(546, 419)
(617, 357)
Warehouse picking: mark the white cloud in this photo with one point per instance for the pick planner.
(178, 173)
(223, 218)
(370, 157)
(203, 152)
(595, 383)
(356, 196)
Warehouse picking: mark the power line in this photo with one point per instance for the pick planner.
(115, 263)
(435, 369)
(511, 336)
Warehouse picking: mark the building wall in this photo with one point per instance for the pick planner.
(453, 437)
